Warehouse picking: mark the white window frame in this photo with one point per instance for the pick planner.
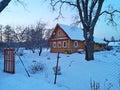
(59, 44)
(54, 44)
(64, 45)
(76, 44)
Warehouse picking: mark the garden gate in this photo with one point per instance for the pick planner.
(9, 60)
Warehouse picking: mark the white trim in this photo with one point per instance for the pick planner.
(76, 44)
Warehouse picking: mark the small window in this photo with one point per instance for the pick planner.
(64, 44)
(75, 43)
(54, 33)
(54, 44)
(59, 33)
(59, 44)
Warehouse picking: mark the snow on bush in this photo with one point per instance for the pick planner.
(36, 67)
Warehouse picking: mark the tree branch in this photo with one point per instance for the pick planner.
(93, 3)
(54, 3)
(69, 3)
(111, 16)
(60, 12)
(100, 3)
(80, 13)
(107, 12)
(84, 7)
(3, 4)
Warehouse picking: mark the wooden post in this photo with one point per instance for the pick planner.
(24, 66)
(56, 71)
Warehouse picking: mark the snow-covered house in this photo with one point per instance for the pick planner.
(99, 44)
(114, 44)
(68, 38)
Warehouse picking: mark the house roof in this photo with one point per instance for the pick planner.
(76, 33)
(114, 44)
(73, 32)
(97, 40)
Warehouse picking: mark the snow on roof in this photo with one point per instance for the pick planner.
(74, 33)
(114, 44)
(97, 40)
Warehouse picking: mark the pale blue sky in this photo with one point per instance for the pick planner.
(15, 14)
(33, 12)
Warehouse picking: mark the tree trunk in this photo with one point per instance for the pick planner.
(89, 44)
(40, 51)
(89, 48)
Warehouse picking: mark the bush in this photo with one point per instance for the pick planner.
(109, 48)
(94, 85)
(36, 67)
(118, 49)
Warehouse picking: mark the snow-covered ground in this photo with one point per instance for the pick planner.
(76, 72)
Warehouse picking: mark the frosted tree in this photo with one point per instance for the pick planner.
(112, 39)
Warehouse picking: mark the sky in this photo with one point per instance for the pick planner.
(40, 10)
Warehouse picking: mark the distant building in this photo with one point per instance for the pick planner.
(68, 38)
(114, 44)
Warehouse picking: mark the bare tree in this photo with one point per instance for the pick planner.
(1, 33)
(113, 39)
(9, 35)
(89, 12)
(19, 34)
(37, 36)
(3, 4)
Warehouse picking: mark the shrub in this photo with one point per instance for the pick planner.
(109, 48)
(36, 67)
(94, 85)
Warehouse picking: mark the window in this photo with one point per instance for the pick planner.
(54, 33)
(59, 33)
(59, 44)
(75, 43)
(64, 44)
(54, 44)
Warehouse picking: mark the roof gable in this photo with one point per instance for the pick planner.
(58, 33)
(74, 33)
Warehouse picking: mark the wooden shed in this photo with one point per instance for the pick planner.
(99, 44)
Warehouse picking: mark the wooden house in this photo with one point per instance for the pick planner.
(114, 44)
(66, 38)
(99, 44)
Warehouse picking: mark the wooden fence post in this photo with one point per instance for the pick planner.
(56, 71)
